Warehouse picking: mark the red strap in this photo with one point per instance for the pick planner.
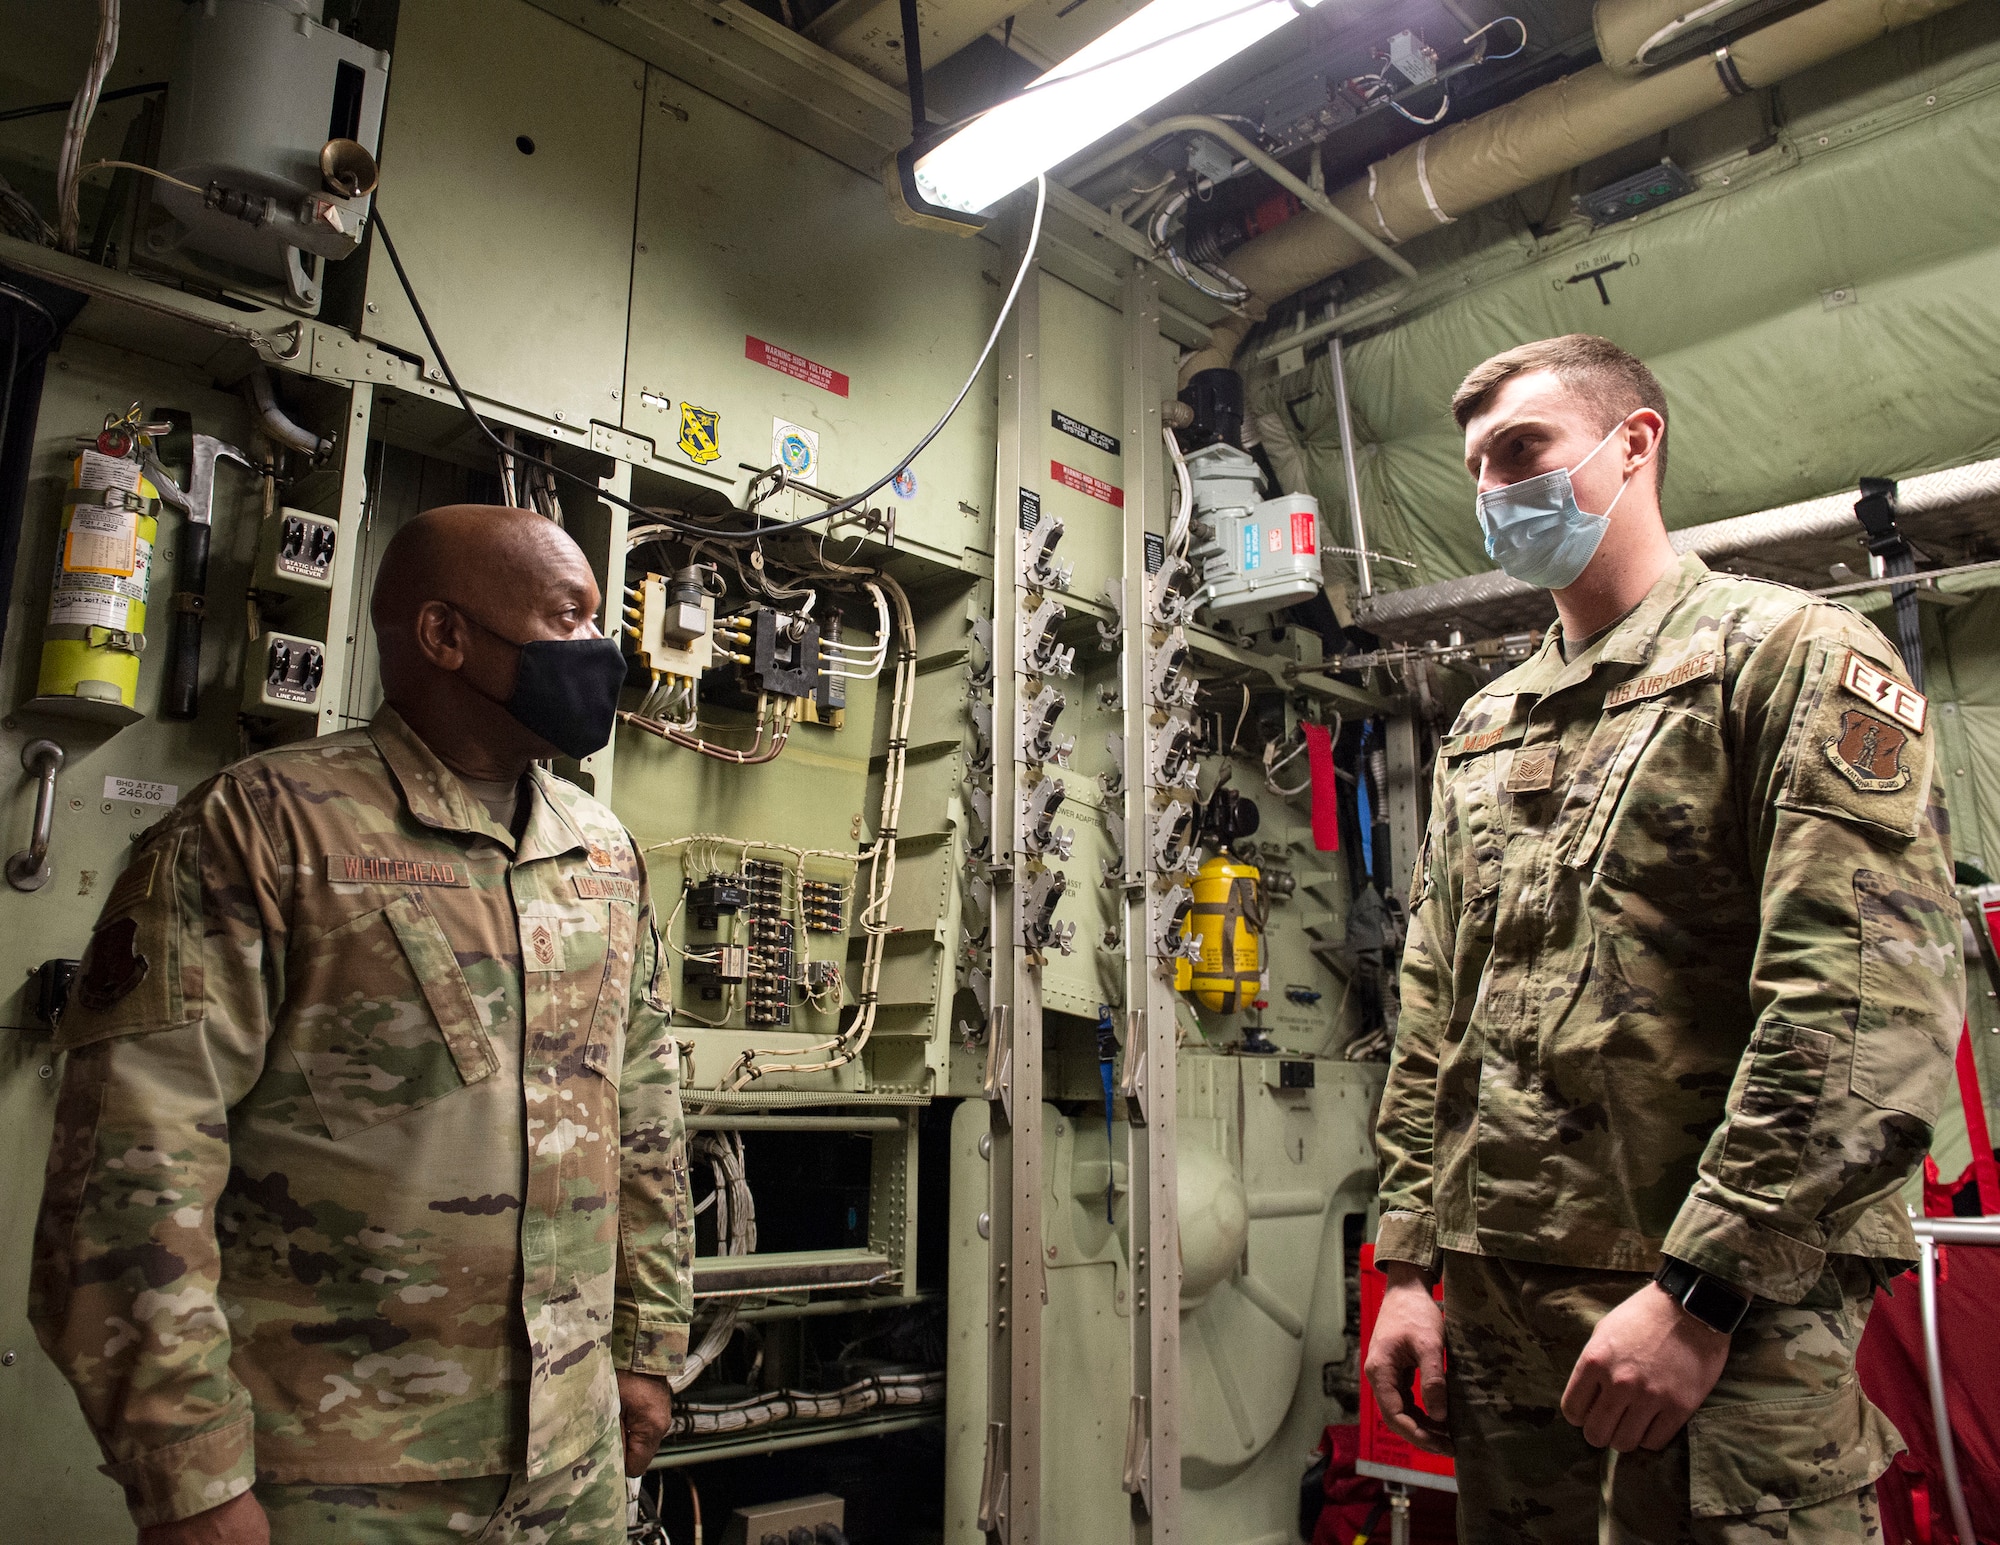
(1985, 1171)
(1325, 788)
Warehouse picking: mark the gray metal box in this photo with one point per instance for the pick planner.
(749, 1525)
(257, 90)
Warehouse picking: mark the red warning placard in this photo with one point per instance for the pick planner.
(1084, 483)
(1305, 540)
(797, 366)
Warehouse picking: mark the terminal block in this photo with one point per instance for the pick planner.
(825, 903)
(767, 992)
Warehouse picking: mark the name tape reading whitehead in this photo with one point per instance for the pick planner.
(1076, 428)
(365, 869)
(797, 366)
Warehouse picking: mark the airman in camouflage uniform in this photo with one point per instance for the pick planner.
(1682, 980)
(369, 1165)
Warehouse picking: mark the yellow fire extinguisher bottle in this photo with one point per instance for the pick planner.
(1229, 969)
(97, 601)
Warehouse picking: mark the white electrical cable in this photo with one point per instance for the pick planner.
(69, 163)
(735, 1234)
(1183, 518)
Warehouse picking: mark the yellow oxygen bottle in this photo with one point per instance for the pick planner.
(97, 602)
(1226, 974)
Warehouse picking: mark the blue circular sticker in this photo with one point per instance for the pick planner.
(796, 452)
(905, 484)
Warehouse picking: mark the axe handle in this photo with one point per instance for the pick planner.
(182, 697)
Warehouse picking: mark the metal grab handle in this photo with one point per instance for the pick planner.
(28, 870)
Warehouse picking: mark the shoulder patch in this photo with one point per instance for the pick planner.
(604, 860)
(1694, 668)
(1876, 687)
(1868, 752)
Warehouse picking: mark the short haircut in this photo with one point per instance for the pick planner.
(1593, 370)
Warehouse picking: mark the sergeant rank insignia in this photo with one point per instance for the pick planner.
(700, 440)
(1868, 752)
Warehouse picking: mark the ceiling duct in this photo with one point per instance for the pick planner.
(1551, 130)
(1423, 609)
(869, 33)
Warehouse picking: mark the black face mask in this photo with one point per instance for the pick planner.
(565, 689)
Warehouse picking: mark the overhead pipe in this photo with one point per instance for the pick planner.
(1634, 35)
(1551, 130)
(1402, 613)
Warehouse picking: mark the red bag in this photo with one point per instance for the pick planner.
(1890, 1362)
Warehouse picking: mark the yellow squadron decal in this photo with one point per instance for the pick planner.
(699, 440)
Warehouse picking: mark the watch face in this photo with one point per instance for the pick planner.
(1715, 1305)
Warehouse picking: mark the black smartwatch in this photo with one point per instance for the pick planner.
(1709, 1299)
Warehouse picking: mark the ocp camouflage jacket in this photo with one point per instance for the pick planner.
(369, 1162)
(1683, 971)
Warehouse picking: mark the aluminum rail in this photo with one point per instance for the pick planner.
(1363, 571)
(1811, 520)
(1931, 1233)
(1215, 128)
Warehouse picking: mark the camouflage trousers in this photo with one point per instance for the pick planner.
(581, 1504)
(1786, 1447)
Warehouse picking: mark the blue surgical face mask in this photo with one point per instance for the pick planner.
(1535, 531)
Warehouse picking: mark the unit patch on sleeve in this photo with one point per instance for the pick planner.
(1906, 705)
(1868, 752)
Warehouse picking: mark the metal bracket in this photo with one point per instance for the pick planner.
(999, 1083)
(1041, 651)
(1110, 634)
(1039, 565)
(1039, 834)
(1132, 1088)
(993, 1482)
(1138, 1478)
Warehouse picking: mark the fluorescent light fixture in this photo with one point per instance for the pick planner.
(1144, 59)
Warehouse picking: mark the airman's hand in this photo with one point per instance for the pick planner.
(239, 1521)
(1647, 1366)
(1406, 1349)
(645, 1411)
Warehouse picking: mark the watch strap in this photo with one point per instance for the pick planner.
(1709, 1299)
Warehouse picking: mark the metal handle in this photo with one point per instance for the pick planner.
(28, 870)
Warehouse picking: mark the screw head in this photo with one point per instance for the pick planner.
(7, 1359)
